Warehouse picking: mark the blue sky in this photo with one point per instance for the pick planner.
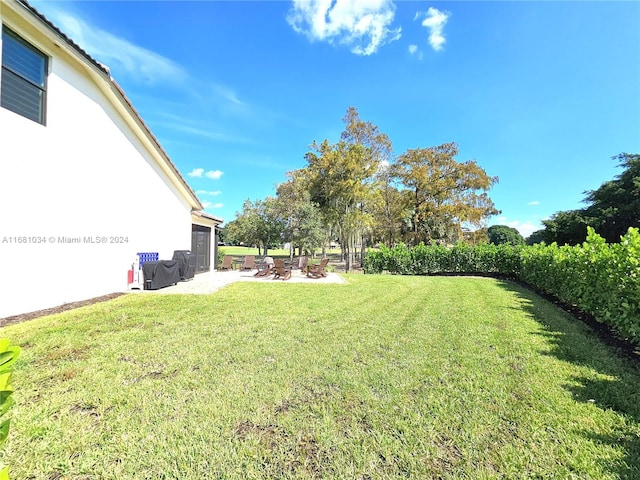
(540, 94)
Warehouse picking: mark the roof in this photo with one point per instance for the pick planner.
(208, 216)
(104, 72)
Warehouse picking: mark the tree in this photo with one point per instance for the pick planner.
(615, 205)
(567, 228)
(501, 234)
(539, 236)
(342, 177)
(258, 224)
(475, 237)
(303, 225)
(377, 152)
(388, 209)
(442, 193)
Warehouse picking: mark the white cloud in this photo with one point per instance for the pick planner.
(535, 202)
(206, 205)
(214, 174)
(525, 228)
(204, 133)
(205, 192)
(434, 20)
(362, 25)
(141, 64)
(196, 172)
(414, 50)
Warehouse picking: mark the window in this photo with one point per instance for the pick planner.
(24, 76)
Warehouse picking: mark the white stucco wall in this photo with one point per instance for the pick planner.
(84, 174)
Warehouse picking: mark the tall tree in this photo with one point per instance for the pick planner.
(302, 218)
(377, 152)
(442, 193)
(567, 228)
(501, 234)
(615, 205)
(342, 179)
(612, 209)
(258, 224)
(388, 208)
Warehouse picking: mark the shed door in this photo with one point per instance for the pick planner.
(201, 247)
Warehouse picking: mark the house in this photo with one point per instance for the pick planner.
(84, 184)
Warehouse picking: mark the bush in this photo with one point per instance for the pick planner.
(8, 356)
(432, 259)
(600, 278)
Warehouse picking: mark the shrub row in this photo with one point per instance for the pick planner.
(599, 278)
(433, 259)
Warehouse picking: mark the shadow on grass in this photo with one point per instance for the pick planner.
(573, 341)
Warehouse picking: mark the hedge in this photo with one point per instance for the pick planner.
(433, 259)
(599, 278)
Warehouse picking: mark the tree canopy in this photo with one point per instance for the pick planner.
(356, 191)
(503, 234)
(612, 209)
(442, 193)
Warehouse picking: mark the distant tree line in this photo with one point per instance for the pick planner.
(611, 210)
(356, 192)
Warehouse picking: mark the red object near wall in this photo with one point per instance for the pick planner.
(130, 277)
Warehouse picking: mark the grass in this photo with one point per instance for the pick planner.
(385, 377)
(241, 251)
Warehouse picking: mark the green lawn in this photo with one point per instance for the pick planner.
(384, 377)
(241, 251)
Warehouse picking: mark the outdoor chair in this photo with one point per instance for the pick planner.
(227, 263)
(249, 262)
(265, 268)
(280, 270)
(318, 271)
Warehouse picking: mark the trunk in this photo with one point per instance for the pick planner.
(363, 250)
(347, 260)
(351, 252)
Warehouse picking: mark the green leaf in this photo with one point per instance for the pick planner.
(5, 381)
(6, 401)
(4, 430)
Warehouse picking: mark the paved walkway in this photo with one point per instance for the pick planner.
(210, 282)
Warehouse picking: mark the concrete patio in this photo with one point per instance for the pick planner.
(209, 282)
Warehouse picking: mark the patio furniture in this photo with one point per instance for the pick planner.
(227, 263)
(318, 271)
(160, 274)
(265, 268)
(249, 263)
(187, 263)
(281, 270)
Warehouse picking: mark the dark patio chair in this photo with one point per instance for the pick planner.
(249, 262)
(227, 263)
(318, 271)
(265, 268)
(280, 270)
